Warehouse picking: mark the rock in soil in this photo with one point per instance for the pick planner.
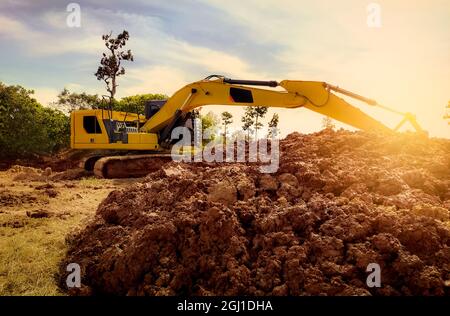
(338, 202)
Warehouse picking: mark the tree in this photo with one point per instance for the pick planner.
(273, 126)
(136, 103)
(55, 126)
(210, 122)
(72, 101)
(227, 119)
(110, 65)
(327, 123)
(28, 128)
(254, 114)
(248, 121)
(260, 112)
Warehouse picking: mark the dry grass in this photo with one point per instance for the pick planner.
(29, 256)
(31, 249)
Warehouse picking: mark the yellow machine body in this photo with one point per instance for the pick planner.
(103, 129)
(88, 131)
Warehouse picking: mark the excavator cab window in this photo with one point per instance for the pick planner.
(152, 107)
(241, 95)
(90, 124)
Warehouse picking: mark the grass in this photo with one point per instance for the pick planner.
(31, 249)
(90, 181)
(29, 256)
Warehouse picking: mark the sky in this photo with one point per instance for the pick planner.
(394, 51)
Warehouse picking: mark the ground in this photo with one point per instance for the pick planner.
(339, 202)
(31, 248)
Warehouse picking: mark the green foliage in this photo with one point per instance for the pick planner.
(227, 119)
(55, 127)
(248, 120)
(72, 101)
(253, 116)
(27, 127)
(136, 103)
(210, 122)
(259, 113)
(273, 126)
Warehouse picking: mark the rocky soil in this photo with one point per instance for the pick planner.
(339, 201)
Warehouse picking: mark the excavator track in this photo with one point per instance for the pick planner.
(129, 166)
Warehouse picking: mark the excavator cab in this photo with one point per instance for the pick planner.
(114, 130)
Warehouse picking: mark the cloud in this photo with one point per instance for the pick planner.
(209, 60)
(404, 64)
(14, 29)
(153, 79)
(45, 95)
(41, 43)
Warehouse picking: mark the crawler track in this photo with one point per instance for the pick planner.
(129, 166)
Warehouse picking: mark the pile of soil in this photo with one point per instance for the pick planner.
(66, 159)
(30, 174)
(339, 201)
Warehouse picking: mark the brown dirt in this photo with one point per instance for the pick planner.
(67, 159)
(35, 219)
(30, 174)
(39, 214)
(339, 201)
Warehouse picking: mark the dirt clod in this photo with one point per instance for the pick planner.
(338, 202)
(38, 214)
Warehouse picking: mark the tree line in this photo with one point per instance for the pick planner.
(28, 128)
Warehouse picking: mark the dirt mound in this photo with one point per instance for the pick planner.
(63, 160)
(339, 201)
(26, 174)
(71, 174)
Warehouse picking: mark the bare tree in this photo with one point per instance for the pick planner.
(110, 65)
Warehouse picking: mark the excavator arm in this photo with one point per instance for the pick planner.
(313, 95)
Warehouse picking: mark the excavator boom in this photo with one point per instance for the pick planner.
(315, 96)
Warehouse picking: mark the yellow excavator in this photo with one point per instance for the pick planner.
(146, 138)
